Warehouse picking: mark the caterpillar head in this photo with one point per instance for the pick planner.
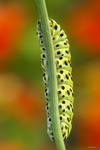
(54, 27)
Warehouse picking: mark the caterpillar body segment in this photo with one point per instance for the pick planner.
(64, 77)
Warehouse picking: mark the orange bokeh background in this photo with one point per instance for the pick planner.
(22, 104)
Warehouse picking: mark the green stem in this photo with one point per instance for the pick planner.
(43, 15)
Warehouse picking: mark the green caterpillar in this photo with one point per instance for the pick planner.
(64, 78)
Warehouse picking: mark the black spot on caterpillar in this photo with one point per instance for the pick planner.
(64, 78)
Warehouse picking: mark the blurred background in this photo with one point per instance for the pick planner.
(22, 106)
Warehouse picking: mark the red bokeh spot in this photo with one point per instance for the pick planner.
(12, 21)
(84, 26)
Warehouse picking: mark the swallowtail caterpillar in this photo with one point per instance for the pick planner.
(64, 78)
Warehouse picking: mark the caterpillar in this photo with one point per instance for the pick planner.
(64, 77)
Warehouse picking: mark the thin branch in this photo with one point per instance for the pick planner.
(43, 15)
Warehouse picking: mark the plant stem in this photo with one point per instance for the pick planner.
(43, 16)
